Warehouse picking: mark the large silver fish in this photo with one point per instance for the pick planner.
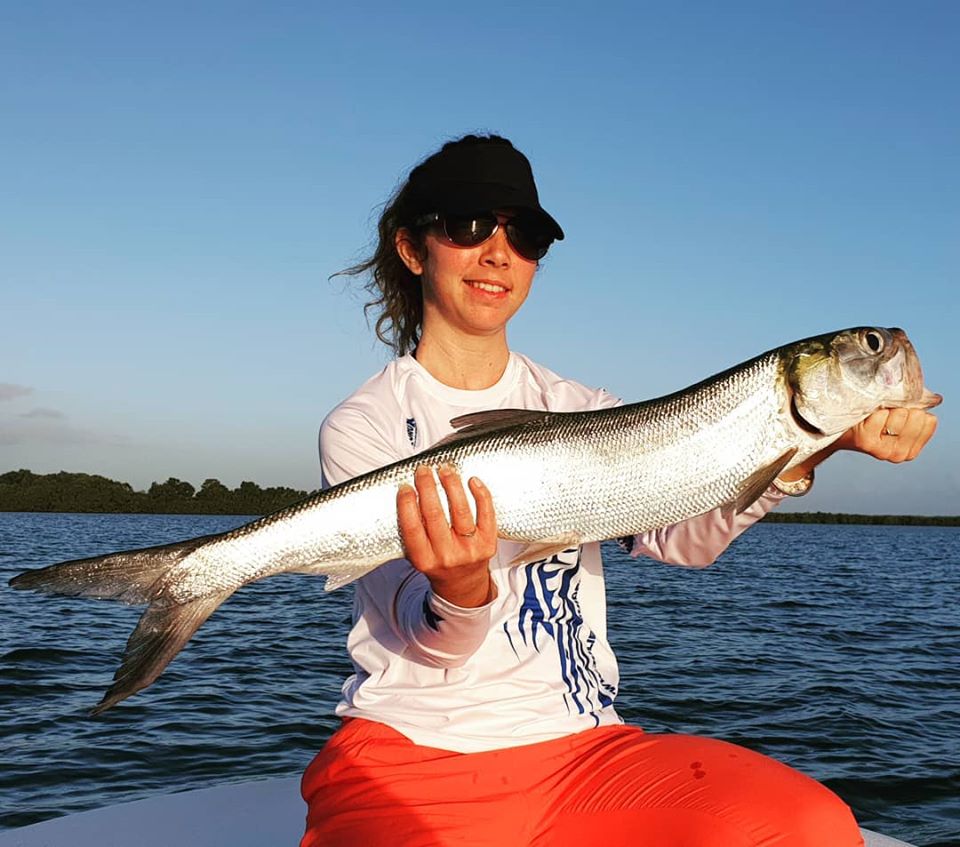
(557, 480)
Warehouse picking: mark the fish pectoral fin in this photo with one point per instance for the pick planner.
(759, 481)
(544, 549)
(163, 630)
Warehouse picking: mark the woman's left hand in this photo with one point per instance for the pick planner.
(893, 435)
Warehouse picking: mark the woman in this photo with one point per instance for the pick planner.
(481, 707)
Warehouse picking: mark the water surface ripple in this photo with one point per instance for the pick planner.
(835, 649)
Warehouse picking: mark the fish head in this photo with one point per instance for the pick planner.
(839, 379)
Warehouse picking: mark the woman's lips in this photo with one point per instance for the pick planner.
(487, 285)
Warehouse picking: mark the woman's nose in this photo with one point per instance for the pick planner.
(496, 250)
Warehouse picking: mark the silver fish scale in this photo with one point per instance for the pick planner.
(590, 475)
(351, 526)
(634, 468)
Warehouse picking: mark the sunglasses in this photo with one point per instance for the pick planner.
(525, 233)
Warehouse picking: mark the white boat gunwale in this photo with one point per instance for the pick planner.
(242, 814)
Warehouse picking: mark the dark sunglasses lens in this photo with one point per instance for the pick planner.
(528, 238)
(469, 230)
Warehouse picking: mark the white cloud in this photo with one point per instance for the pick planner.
(52, 429)
(11, 391)
(42, 412)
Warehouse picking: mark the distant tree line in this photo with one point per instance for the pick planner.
(24, 491)
(879, 520)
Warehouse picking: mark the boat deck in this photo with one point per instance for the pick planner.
(247, 814)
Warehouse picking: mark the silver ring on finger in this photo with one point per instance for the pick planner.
(470, 534)
(889, 432)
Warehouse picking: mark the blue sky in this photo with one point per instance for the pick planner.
(180, 180)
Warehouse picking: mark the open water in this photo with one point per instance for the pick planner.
(833, 648)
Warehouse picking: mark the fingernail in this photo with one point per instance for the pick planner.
(405, 487)
(477, 482)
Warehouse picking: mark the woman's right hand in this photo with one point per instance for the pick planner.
(455, 556)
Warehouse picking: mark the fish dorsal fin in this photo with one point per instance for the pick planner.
(759, 481)
(546, 548)
(481, 423)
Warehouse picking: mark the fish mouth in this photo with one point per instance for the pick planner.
(916, 395)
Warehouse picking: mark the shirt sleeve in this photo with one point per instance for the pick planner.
(431, 630)
(697, 542)
(351, 445)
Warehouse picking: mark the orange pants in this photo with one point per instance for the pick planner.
(610, 786)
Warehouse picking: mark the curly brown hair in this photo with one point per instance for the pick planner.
(396, 291)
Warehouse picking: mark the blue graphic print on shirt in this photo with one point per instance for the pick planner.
(550, 616)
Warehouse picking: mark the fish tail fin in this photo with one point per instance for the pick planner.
(129, 576)
(162, 632)
(133, 576)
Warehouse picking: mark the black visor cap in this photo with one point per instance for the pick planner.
(476, 178)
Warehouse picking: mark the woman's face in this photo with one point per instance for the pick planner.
(470, 290)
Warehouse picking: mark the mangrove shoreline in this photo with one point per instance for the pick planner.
(25, 491)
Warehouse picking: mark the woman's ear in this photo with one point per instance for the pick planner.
(410, 253)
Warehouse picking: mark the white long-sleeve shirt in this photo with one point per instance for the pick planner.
(535, 663)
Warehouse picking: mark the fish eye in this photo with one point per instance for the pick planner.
(873, 341)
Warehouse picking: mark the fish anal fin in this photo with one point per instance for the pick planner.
(338, 580)
(163, 630)
(537, 550)
(337, 576)
(759, 481)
